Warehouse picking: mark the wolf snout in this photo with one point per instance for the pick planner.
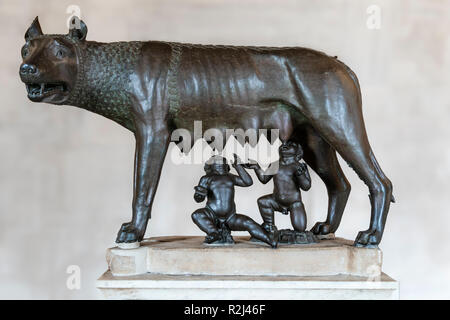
(26, 69)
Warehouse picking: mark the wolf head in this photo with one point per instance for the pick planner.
(51, 63)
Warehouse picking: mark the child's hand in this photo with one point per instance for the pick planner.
(199, 197)
(302, 168)
(200, 194)
(237, 160)
(252, 164)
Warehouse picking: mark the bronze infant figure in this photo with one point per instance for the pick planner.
(152, 88)
(290, 177)
(218, 218)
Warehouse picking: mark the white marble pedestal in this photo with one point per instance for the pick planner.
(185, 268)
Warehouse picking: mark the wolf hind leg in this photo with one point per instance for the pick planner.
(321, 157)
(349, 138)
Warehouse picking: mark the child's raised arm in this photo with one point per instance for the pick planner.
(263, 178)
(244, 179)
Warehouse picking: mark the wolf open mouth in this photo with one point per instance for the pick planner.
(41, 90)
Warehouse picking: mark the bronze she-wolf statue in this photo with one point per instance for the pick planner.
(153, 88)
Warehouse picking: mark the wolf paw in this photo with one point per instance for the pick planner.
(322, 228)
(128, 233)
(368, 239)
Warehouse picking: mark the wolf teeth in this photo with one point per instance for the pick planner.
(39, 89)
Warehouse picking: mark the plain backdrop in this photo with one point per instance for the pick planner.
(66, 174)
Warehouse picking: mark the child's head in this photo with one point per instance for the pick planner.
(291, 149)
(217, 164)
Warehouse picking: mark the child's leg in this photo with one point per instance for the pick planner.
(239, 222)
(204, 219)
(298, 216)
(267, 205)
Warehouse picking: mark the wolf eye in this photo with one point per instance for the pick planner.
(25, 52)
(59, 54)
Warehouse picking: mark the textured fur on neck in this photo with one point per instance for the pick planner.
(103, 80)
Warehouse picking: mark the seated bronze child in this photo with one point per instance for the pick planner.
(219, 216)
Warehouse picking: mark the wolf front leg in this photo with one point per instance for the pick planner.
(151, 149)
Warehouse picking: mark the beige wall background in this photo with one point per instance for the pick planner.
(66, 174)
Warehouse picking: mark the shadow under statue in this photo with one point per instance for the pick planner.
(152, 88)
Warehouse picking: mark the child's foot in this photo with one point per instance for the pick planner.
(270, 228)
(273, 239)
(212, 237)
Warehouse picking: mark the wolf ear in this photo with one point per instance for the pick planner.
(78, 29)
(34, 30)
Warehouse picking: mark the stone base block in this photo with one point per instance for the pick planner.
(189, 256)
(203, 287)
